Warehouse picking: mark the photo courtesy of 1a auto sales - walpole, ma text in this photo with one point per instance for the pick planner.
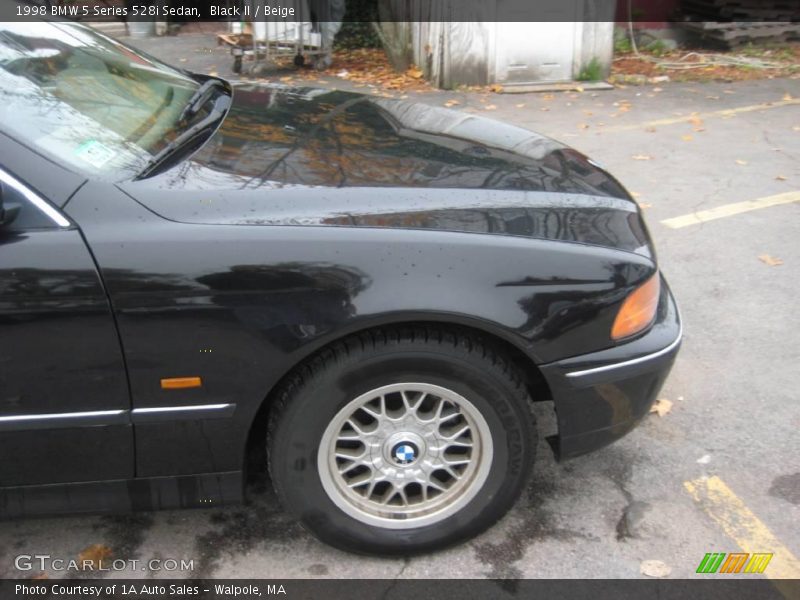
(447, 299)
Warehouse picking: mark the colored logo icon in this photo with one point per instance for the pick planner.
(736, 562)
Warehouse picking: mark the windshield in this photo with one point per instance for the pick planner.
(84, 100)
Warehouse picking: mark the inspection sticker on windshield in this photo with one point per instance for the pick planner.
(95, 153)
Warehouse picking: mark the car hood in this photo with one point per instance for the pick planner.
(307, 156)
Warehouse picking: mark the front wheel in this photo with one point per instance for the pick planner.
(395, 442)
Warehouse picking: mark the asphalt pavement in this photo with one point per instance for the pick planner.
(718, 471)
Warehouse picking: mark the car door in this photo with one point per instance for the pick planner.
(64, 399)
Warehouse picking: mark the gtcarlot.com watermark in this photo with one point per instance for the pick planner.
(46, 562)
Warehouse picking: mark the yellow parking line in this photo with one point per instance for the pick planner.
(726, 112)
(727, 210)
(741, 525)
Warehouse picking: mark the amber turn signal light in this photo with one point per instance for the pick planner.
(638, 310)
(181, 383)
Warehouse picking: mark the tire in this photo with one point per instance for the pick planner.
(397, 405)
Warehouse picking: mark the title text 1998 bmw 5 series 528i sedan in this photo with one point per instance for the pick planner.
(373, 291)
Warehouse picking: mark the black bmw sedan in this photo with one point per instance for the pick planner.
(370, 292)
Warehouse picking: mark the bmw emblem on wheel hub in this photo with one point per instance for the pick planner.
(405, 453)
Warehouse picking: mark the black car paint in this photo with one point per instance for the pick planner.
(318, 157)
(232, 269)
(51, 297)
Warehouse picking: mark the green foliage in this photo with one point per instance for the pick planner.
(357, 30)
(593, 71)
(622, 45)
(356, 35)
(658, 47)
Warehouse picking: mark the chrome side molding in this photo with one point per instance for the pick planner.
(115, 417)
(34, 199)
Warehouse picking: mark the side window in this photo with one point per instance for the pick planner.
(34, 213)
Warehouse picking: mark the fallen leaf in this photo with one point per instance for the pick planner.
(650, 129)
(781, 178)
(93, 556)
(788, 97)
(520, 105)
(544, 108)
(490, 107)
(654, 568)
(644, 205)
(182, 59)
(687, 138)
(741, 162)
(636, 194)
(583, 126)
(496, 88)
(213, 73)
(450, 103)
(578, 89)
(414, 72)
(770, 260)
(661, 406)
(641, 157)
(658, 89)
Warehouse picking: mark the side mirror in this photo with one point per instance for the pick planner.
(8, 210)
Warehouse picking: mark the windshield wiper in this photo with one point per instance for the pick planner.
(200, 97)
(219, 110)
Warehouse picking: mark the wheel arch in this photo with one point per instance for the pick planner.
(539, 391)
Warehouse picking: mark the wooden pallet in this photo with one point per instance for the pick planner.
(754, 4)
(733, 13)
(743, 32)
(742, 10)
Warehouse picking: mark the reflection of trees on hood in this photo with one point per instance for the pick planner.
(301, 136)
